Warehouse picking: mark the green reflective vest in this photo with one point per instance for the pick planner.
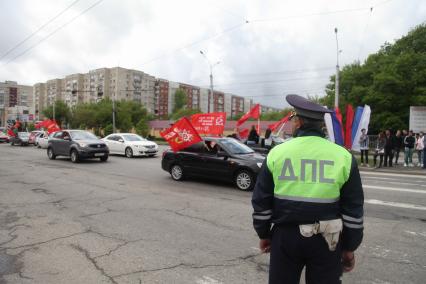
(310, 169)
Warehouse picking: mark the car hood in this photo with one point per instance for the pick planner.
(90, 141)
(141, 143)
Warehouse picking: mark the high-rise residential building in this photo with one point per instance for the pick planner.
(39, 96)
(73, 89)
(192, 95)
(97, 85)
(54, 92)
(161, 98)
(16, 102)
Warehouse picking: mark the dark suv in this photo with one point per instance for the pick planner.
(77, 144)
(215, 158)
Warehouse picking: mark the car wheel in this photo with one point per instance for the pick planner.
(104, 158)
(74, 156)
(176, 171)
(50, 154)
(244, 180)
(128, 152)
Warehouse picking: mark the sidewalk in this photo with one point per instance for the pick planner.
(399, 169)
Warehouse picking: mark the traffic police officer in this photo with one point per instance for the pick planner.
(310, 190)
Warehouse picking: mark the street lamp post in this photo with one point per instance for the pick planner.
(211, 78)
(336, 91)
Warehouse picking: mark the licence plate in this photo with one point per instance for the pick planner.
(99, 154)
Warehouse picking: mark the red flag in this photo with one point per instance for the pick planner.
(252, 113)
(349, 121)
(244, 133)
(10, 133)
(51, 126)
(181, 135)
(209, 123)
(275, 125)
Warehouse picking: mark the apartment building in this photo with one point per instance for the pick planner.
(54, 91)
(161, 98)
(16, 102)
(73, 89)
(39, 96)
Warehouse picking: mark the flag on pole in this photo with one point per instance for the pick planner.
(275, 125)
(357, 120)
(363, 124)
(329, 124)
(348, 126)
(209, 123)
(254, 112)
(337, 127)
(181, 135)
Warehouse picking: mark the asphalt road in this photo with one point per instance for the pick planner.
(127, 221)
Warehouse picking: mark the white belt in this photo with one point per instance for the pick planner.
(330, 230)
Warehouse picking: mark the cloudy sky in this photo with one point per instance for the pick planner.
(266, 48)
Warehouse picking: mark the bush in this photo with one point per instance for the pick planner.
(108, 129)
(142, 128)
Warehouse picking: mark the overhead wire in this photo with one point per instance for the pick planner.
(39, 29)
(54, 31)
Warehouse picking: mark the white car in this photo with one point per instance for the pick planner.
(130, 145)
(42, 140)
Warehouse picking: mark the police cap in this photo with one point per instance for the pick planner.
(306, 108)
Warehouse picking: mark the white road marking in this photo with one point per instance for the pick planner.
(395, 189)
(416, 234)
(208, 280)
(421, 183)
(395, 204)
(393, 175)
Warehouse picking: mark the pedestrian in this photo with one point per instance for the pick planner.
(424, 152)
(389, 146)
(305, 187)
(253, 137)
(399, 142)
(380, 150)
(364, 146)
(267, 142)
(409, 142)
(420, 148)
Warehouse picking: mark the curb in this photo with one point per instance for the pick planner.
(421, 172)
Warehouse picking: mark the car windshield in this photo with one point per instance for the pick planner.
(236, 147)
(133, 137)
(82, 135)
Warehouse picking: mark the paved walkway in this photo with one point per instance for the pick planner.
(398, 169)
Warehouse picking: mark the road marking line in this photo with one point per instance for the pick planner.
(208, 280)
(394, 204)
(394, 175)
(421, 183)
(395, 189)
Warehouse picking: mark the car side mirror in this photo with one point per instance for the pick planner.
(121, 140)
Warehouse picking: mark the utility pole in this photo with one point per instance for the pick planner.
(211, 79)
(336, 91)
(113, 100)
(53, 106)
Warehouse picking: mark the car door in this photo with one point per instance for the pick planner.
(121, 144)
(191, 159)
(111, 143)
(217, 163)
(65, 143)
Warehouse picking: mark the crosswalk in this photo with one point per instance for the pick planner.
(401, 191)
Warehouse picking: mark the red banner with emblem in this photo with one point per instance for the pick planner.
(50, 125)
(181, 135)
(209, 123)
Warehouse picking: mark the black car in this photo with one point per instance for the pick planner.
(77, 144)
(20, 139)
(217, 158)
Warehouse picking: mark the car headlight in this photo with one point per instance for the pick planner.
(82, 145)
(259, 165)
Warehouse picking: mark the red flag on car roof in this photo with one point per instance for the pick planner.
(252, 113)
(181, 135)
(244, 133)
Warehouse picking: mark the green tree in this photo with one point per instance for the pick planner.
(275, 115)
(108, 129)
(184, 112)
(389, 81)
(62, 112)
(180, 100)
(142, 127)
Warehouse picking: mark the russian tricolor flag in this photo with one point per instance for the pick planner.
(354, 123)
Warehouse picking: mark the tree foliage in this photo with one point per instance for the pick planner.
(389, 81)
(180, 100)
(275, 115)
(62, 112)
(184, 112)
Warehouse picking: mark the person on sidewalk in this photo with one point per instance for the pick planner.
(363, 143)
(420, 148)
(380, 149)
(424, 153)
(409, 142)
(389, 145)
(399, 142)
